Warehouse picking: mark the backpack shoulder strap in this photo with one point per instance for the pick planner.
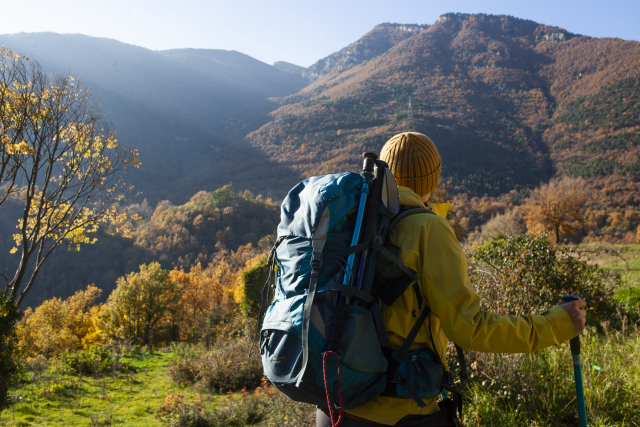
(406, 212)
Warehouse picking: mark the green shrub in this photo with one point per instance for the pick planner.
(265, 406)
(10, 369)
(176, 411)
(253, 280)
(89, 361)
(629, 297)
(526, 274)
(224, 368)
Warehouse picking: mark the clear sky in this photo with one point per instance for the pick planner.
(297, 31)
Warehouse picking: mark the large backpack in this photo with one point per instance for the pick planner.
(323, 339)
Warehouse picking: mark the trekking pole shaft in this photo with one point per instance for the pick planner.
(577, 370)
(333, 340)
(356, 231)
(577, 373)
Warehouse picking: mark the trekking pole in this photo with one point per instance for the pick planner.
(367, 176)
(577, 369)
(367, 230)
(333, 341)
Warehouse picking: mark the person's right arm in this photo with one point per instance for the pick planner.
(442, 266)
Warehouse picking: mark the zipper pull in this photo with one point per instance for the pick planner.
(414, 359)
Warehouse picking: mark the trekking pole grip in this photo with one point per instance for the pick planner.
(575, 342)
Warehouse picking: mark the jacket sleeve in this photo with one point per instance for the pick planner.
(442, 266)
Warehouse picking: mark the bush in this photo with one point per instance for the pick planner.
(89, 361)
(226, 365)
(265, 407)
(57, 325)
(10, 369)
(526, 274)
(253, 280)
(176, 411)
(224, 368)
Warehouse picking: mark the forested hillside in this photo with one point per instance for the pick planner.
(209, 225)
(509, 102)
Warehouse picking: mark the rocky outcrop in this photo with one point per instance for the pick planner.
(376, 42)
(552, 34)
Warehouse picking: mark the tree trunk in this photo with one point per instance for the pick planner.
(557, 236)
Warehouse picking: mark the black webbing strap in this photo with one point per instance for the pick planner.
(354, 249)
(394, 363)
(316, 263)
(416, 289)
(456, 397)
(265, 292)
(392, 375)
(397, 218)
(350, 290)
(412, 392)
(378, 247)
(464, 374)
(379, 322)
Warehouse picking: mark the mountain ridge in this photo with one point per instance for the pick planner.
(487, 88)
(180, 108)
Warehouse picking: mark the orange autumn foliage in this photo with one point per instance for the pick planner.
(57, 325)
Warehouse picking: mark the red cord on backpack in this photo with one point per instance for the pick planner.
(324, 372)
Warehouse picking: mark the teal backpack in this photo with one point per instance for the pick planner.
(323, 339)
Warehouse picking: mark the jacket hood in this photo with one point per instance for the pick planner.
(409, 198)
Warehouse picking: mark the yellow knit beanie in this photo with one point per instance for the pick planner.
(414, 161)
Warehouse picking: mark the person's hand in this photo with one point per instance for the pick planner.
(577, 313)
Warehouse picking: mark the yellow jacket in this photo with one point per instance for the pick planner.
(429, 246)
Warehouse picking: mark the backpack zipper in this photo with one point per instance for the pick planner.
(414, 359)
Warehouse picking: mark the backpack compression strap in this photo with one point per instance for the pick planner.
(317, 241)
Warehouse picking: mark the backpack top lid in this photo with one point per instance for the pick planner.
(306, 202)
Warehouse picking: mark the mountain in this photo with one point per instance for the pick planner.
(184, 109)
(509, 102)
(288, 67)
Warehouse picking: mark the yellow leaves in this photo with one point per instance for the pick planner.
(74, 225)
(20, 148)
(13, 250)
(60, 324)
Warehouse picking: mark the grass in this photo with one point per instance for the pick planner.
(538, 389)
(623, 258)
(127, 399)
(506, 390)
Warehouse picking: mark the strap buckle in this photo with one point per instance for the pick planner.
(316, 261)
(396, 379)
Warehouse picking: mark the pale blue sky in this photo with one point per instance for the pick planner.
(296, 31)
